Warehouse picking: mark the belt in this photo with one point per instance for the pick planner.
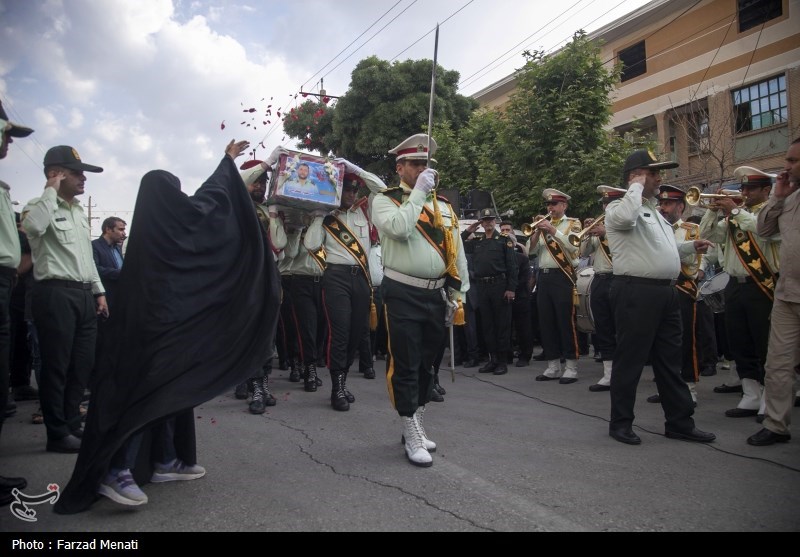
(742, 280)
(312, 278)
(66, 284)
(429, 284)
(603, 275)
(648, 281)
(351, 269)
(545, 270)
(8, 271)
(490, 280)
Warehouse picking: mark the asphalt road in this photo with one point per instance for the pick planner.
(515, 455)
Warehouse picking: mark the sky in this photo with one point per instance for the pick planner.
(135, 85)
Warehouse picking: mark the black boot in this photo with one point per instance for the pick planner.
(350, 398)
(502, 366)
(436, 386)
(294, 370)
(490, 366)
(310, 378)
(257, 405)
(242, 389)
(269, 399)
(338, 396)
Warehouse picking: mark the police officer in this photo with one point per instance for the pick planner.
(555, 287)
(422, 254)
(496, 276)
(646, 311)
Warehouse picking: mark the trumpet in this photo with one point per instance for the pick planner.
(530, 227)
(695, 197)
(576, 238)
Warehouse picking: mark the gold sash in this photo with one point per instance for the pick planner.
(752, 259)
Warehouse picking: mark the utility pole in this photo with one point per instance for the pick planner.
(89, 213)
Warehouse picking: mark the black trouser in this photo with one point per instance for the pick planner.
(471, 326)
(747, 311)
(647, 319)
(535, 332)
(604, 334)
(306, 307)
(415, 327)
(377, 338)
(706, 339)
(20, 353)
(495, 316)
(7, 278)
(521, 315)
(556, 315)
(346, 296)
(690, 365)
(66, 321)
(286, 335)
(365, 351)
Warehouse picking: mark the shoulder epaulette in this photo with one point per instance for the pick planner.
(690, 225)
(391, 190)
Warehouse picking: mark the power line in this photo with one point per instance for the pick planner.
(431, 31)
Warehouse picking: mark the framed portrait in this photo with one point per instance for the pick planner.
(306, 182)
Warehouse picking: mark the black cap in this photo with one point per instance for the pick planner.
(68, 157)
(14, 130)
(645, 159)
(487, 214)
(671, 193)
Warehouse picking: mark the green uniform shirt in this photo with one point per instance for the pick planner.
(719, 233)
(563, 227)
(60, 240)
(688, 232)
(601, 263)
(303, 263)
(9, 236)
(403, 247)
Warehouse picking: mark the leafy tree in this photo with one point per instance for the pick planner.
(311, 124)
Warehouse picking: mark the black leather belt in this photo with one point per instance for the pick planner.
(603, 275)
(351, 269)
(66, 284)
(491, 280)
(648, 281)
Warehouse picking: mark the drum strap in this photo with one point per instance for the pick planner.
(753, 259)
(349, 241)
(606, 249)
(558, 255)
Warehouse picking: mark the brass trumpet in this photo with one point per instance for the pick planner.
(576, 238)
(530, 227)
(694, 196)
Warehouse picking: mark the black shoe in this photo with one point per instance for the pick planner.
(740, 413)
(490, 366)
(77, 433)
(68, 444)
(338, 395)
(523, 363)
(626, 436)
(655, 399)
(567, 380)
(439, 389)
(708, 371)
(760, 418)
(694, 435)
(241, 391)
(599, 388)
(501, 369)
(321, 363)
(728, 389)
(369, 373)
(26, 392)
(540, 357)
(310, 379)
(544, 377)
(294, 376)
(436, 397)
(318, 381)
(471, 363)
(7, 484)
(283, 365)
(767, 437)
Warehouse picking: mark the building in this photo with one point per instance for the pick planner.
(716, 83)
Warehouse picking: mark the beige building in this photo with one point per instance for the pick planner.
(715, 82)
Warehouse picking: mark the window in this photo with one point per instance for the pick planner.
(634, 61)
(753, 13)
(699, 140)
(761, 105)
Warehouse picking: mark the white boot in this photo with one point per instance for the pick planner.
(416, 452)
(553, 370)
(751, 395)
(606, 380)
(419, 416)
(570, 373)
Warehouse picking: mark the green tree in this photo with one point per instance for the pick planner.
(311, 125)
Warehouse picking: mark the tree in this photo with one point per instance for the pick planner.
(385, 103)
(312, 124)
(554, 133)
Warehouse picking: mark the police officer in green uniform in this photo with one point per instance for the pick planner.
(496, 276)
(425, 271)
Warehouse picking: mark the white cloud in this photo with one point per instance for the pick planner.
(75, 119)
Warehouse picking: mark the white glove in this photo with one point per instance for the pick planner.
(426, 181)
(349, 167)
(272, 159)
(272, 211)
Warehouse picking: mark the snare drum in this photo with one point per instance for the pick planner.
(584, 310)
(712, 292)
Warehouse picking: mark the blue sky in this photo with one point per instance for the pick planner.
(138, 85)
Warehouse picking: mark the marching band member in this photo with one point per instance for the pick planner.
(752, 263)
(556, 295)
(602, 312)
(422, 254)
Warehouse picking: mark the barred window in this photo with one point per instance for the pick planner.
(634, 61)
(753, 13)
(761, 104)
